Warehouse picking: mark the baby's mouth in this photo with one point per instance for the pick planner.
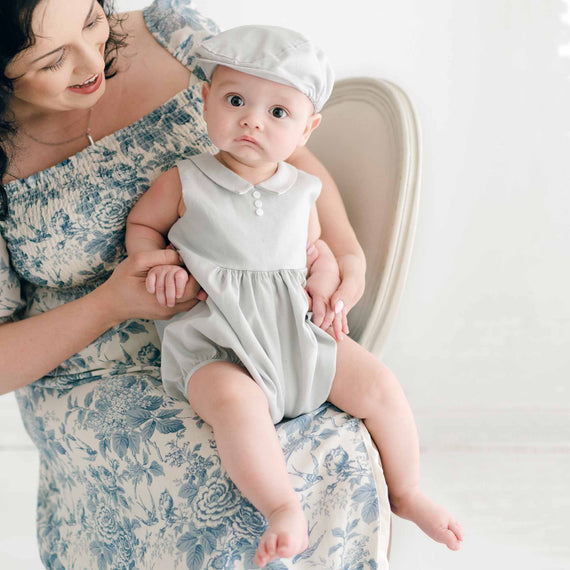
(245, 138)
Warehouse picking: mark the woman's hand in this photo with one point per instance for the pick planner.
(126, 294)
(352, 283)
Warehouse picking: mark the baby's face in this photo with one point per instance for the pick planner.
(256, 120)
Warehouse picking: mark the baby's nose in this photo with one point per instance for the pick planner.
(252, 120)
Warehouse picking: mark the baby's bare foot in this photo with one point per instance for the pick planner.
(286, 536)
(433, 519)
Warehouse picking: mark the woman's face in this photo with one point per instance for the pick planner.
(64, 69)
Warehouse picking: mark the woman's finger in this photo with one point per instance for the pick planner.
(145, 260)
(191, 290)
(164, 313)
(345, 328)
(344, 297)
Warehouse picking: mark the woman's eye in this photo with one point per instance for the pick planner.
(235, 100)
(278, 112)
(95, 21)
(57, 64)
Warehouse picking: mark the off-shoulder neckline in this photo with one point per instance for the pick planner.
(102, 142)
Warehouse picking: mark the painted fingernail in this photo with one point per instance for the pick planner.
(338, 307)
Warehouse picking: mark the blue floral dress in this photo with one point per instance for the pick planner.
(130, 477)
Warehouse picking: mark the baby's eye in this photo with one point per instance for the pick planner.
(278, 112)
(235, 101)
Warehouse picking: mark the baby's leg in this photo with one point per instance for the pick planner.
(367, 389)
(227, 398)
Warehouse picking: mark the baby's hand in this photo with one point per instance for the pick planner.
(167, 282)
(323, 282)
(320, 287)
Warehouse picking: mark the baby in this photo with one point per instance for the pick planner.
(249, 354)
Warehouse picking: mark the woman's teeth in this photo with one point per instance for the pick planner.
(87, 83)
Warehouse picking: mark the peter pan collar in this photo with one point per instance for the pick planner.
(280, 182)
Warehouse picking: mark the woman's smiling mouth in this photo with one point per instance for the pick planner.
(88, 86)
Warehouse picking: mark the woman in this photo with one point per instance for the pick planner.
(92, 109)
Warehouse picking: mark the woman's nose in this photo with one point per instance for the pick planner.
(90, 59)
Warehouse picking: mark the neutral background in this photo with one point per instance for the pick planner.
(481, 343)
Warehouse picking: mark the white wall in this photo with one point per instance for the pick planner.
(484, 324)
(485, 318)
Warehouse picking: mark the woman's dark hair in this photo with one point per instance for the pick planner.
(16, 35)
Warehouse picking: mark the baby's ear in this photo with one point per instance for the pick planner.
(312, 123)
(205, 93)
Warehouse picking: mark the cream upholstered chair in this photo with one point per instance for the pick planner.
(369, 140)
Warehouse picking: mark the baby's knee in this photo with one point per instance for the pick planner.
(382, 386)
(231, 396)
(228, 393)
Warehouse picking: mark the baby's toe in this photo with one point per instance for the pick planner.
(284, 547)
(450, 540)
(271, 545)
(457, 530)
(260, 559)
(266, 549)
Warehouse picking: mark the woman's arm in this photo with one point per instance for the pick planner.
(31, 348)
(336, 231)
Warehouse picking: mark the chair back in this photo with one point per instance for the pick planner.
(369, 140)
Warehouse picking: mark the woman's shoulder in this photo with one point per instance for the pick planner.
(177, 26)
(160, 43)
(161, 40)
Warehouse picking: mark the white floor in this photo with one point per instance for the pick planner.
(512, 499)
(514, 506)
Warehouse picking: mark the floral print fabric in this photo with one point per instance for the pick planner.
(129, 477)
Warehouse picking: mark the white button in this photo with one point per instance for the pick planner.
(259, 212)
(256, 193)
(258, 203)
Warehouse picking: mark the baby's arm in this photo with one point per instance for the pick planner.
(323, 280)
(147, 224)
(154, 214)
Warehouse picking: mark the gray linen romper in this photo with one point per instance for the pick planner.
(246, 246)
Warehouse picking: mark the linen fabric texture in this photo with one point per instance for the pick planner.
(271, 52)
(246, 246)
(129, 477)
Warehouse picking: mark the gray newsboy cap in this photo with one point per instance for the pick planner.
(273, 53)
